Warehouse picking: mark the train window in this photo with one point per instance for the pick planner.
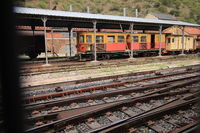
(143, 38)
(135, 38)
(111, 39)
(99, 39)
(169, 40)
(88, 38)
(120, 39)
(65, 35)
(172, 40)
(81, 39)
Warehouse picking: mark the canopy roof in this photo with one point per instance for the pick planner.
(32, 17)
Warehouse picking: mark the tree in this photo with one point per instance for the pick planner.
(162, 9)
(157, 5)
(138, 7)
(175, 12)
(43, 4)
(198, 19)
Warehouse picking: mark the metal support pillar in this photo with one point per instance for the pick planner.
(44, 19)
(70, 42)
(33, 29)
(122, 29)
(95, 44)
(183, 41)
(160, 41)
(131, 25)
(52, 41)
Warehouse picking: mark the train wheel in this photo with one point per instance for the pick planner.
(108, 56)
(32, 55)
(105, 56)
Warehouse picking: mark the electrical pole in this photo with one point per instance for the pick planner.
(50, 4)
(136, 13)
(88, 9)
(124, 12)
(70, 8)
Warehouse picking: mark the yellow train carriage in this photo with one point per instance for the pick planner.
(174, 43)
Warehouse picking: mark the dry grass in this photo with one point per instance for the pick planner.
(82, 74)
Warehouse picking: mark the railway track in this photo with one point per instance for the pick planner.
(49, 114)
(177, 119)
(33, 69)
(76, 84)
(115, 113)
(115, 97)
(95, 89)
(40, 110)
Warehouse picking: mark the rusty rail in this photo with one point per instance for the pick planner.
(104, 87)
(140, 120)
(60, 124)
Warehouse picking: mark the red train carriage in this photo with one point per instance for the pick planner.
(119, 43)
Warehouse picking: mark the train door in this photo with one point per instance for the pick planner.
(152, 41)
(194, 43)
(198, 43)
(128, 42)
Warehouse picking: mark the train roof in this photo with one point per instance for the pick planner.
(110, 32)
(32, 16)
(30, 33)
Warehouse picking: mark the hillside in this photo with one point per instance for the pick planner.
(185, 10)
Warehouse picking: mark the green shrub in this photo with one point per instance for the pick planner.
(162, 9)
(115, 8)
(175, 12)
(167, 2)
(99, 10)
(138, 7)
(191, 20)
(157, 5)
(43, 4)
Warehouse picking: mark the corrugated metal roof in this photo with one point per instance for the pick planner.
(163, 16)
(67, 14)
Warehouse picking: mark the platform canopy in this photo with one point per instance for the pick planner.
(55, 18)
